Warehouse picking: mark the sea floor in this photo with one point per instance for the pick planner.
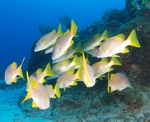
(82, 106)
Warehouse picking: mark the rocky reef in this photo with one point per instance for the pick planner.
(94, 104)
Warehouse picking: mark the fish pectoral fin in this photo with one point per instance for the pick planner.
(115, 56)
(54, 96)
(71, 43)
(34, 105)
(126, 50)
(14, 80)
(74, 83)
(110, 69)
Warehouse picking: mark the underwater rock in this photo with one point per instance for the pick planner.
(133, 72)
(38, 60)
(29, 112)
(133, 99)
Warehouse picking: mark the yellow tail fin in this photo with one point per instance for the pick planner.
(48, 71)
(115, 61)
(133, 41)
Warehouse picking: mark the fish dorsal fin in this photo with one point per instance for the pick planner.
(104, 35)
(67, 32)
(73, 27)
(34, 105)
(39, 71)
(121, 36)
(54, 31)
(104, 60)
(14, 65)
(59, 32)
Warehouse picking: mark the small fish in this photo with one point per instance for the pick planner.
(39, 74)
(117, 81)
(67, 55)
(12, 72)
(93, 52)
(136, 5)
(38, 93)
(49, 50)
(86, 71)
(48, 40)
(116, 44)
(67, 79)
(53, 91)
(103, 66)
(94, 41)
(63, 66)
(64, 42)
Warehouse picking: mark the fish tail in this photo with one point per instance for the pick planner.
(79, 48)
(132, 39)
(115, 61)
(57, 90)
(79, 73)
(76, 61)
(28, 96)
(59, 32)
(48, 71)
(20, 69)
(73, 27)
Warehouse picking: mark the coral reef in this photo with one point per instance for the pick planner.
(65, 20)
(129, 104)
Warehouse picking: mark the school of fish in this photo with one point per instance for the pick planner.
(70, 64)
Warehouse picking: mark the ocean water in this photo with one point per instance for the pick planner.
(19, 24)
(20, 20)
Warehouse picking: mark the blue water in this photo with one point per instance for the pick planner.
(20, 20)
